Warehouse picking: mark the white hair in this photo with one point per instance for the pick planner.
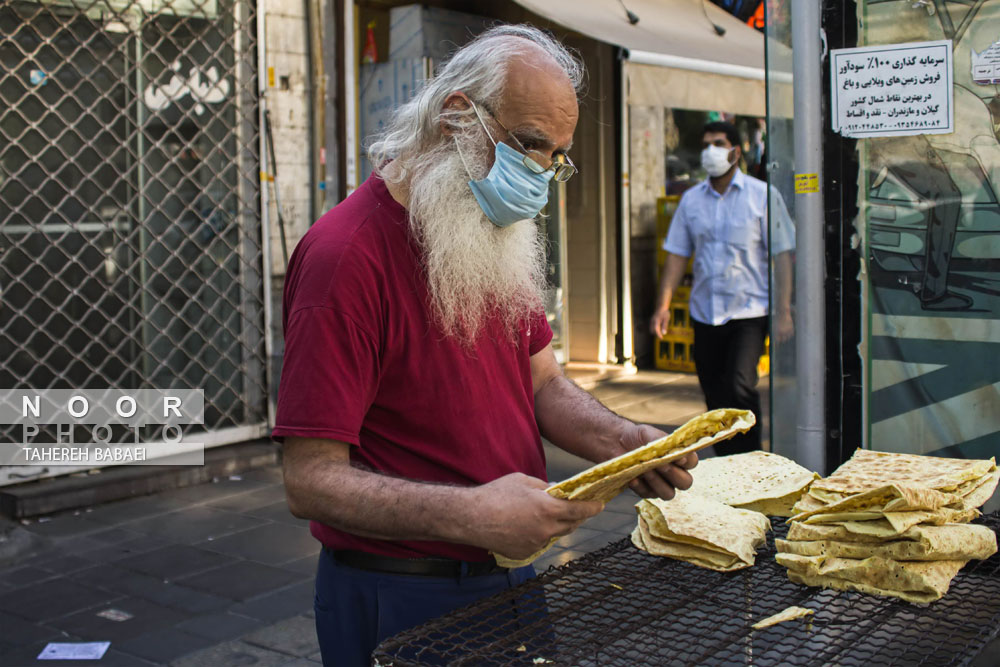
(480, 277)
(479, 69)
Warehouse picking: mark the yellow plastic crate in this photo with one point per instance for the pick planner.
(674, 353)
(680, 316)
(764, 364)
(680, 325)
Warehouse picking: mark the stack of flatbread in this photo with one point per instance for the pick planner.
(722, 520)
(969, 482)
(606, 480)
(700, 530)
(891, 524)
(758, 481)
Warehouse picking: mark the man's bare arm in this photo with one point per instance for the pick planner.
(512, 515)
(673, 272)
(575, 421)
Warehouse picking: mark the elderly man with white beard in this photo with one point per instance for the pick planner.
(418, 373)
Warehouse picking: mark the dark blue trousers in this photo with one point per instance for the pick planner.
(356, 609)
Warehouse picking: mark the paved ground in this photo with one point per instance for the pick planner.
(196, 568)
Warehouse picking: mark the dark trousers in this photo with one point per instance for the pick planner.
(726, 357)
(357, 609)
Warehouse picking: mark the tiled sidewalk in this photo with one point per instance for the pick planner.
(214, 575)
(221, 574)
(196, 568)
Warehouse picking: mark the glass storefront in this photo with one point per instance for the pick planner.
(780, 168)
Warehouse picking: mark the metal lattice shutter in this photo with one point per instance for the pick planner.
(130, 235)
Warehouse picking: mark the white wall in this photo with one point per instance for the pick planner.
(286, 43)
(647, 171)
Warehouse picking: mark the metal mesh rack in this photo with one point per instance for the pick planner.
(130, 234)
(620, 606)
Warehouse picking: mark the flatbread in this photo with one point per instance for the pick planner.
(891, 498)
(705, 523)
(606, 480)
(789, 614)
(758, 481)
(956, 542)
(844, 585)
(712, 559)
(636, 536)
(807, 503)
(893, 523)
(882, 576)
(981, 494)
(867, 470)
(967, 495)
(784, 506)
(863, 532)
(901, 522)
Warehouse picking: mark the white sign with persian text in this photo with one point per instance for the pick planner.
(893, 90)
(986, 65)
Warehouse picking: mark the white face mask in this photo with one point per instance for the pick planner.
(715, 160)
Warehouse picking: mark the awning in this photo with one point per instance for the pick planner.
(675, 56)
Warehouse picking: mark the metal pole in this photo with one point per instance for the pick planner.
(351, 97)
(810, 270)
(312, 50)
(147, 299)
(272, 169)
(625, 256)
(330, 116)
(265, 205)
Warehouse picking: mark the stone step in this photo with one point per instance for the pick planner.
(45, 496)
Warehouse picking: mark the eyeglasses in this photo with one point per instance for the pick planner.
(536, 161)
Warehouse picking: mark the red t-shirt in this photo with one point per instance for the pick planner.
(364, 364)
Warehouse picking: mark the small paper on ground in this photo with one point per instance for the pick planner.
(789, 614)
(74, 651)
(115, 615)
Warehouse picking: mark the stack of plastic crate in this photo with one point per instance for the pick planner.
(674, 350)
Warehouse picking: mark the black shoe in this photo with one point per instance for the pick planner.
(947, 301)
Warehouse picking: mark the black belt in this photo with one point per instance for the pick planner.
(421, 567)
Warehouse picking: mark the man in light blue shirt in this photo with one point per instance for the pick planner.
(723, 221)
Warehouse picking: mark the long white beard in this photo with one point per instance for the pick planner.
(474, 269)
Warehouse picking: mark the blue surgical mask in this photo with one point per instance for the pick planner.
(511, 191)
